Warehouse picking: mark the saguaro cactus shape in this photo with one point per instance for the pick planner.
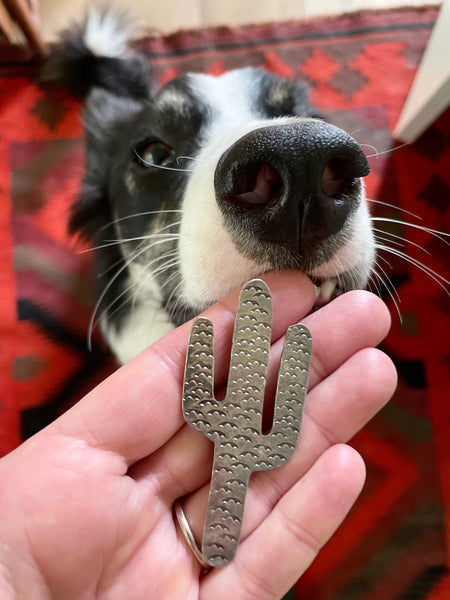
(235, 423)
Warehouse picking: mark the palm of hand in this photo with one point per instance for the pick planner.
(87, 516)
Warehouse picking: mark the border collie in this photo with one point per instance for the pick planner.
(193, 189)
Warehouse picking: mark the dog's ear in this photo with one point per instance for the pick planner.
(104, 116)
(302, 105)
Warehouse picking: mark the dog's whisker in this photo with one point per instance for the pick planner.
(166, 266)
(144, 214)
(369, 146)
(439, 279)
(403, 210)
(384, 259)
(127, 300)
(435, 232)
(180, 307)
(372, 282)
(138, 249)
(167, 257)
(92, 321)
(178, 303)
(179, 158)
(386, 286)
(344, 268)
(126, 291)
(170, 257)
(108, 243)
(377, 154)
(387, 280)
(124, 302)
(126, 263)
(381, 236)
(168, 281)
(149, 164)
(120, 261)
(107, 309)
(148, 236)
(354, 282)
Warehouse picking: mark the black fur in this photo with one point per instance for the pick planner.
(72, 65)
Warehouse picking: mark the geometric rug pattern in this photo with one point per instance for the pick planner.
(395, 543)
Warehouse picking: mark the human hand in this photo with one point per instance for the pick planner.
(86, 504)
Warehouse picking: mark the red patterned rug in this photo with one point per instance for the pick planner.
(395, 543)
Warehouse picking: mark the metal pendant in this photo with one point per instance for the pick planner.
(234, 424)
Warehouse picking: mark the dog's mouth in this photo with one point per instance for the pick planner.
(326, 290)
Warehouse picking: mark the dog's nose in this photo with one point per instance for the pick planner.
(291, 183)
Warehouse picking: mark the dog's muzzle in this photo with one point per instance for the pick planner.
(291, 184)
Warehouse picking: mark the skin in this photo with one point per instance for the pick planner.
(86, 504)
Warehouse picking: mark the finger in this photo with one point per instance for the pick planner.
(138, 408)
(334, 411)
(292, 535)
(353, 321)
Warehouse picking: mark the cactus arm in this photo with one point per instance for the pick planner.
(290, 394)
(198, 390)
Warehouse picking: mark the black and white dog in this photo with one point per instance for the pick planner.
(195, 188)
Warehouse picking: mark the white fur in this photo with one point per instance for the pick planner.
(107, 33)
(358, 251)
(147, 321)
(145, 325)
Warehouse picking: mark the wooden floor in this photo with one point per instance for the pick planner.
(171, 15)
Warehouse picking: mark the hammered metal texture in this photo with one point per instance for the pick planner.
(235, 423)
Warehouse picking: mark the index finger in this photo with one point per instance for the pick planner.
(138, 408)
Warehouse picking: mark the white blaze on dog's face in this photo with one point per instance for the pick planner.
(267, 185)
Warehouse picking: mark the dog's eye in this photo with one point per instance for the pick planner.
(153, 154)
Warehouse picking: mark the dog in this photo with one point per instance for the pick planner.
(193, 189)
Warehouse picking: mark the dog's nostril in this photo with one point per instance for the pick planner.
(256, 186)
(337, 176)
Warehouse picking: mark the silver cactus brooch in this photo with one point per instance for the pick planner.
(234, 424)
